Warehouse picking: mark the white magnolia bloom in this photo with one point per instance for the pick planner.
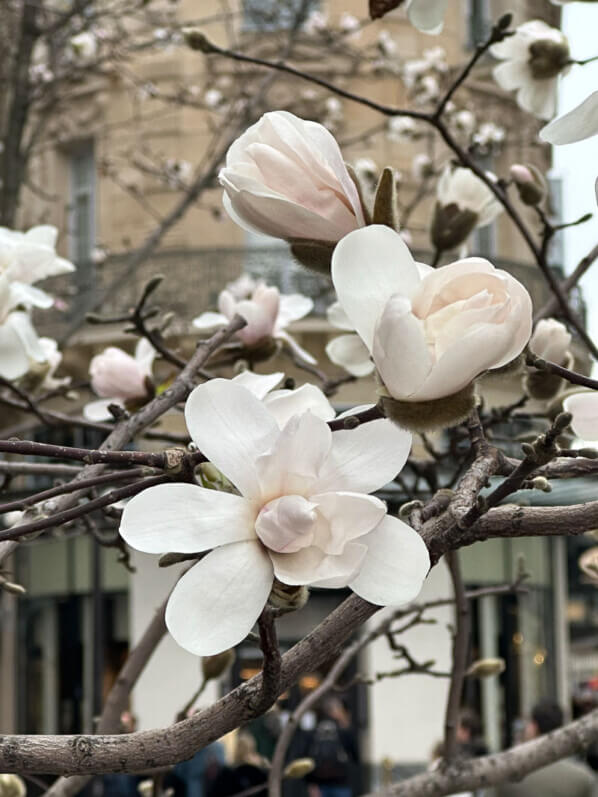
(461, 187)
(489, 135)
(576, 125)
(267, 312)
(316, 22)
(31, 256)
(242, 287)
(213, 98)
(119, 378)
(53, 358)
(431, 335)
(284, 403)
(285, 177)
(303, 516)
(348, 351)
(427, 15)
(534, 57)
(422, 167)
(551, 341)
(465, 121)
(402, 128)
(19, 344)
(84, 47)
(584, 408)
(349, 23)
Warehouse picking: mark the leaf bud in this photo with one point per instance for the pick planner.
(529, 182)
(288, 598)
(213, 667)
(299, 768)
(486, 668)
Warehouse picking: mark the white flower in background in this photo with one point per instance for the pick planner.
(213, 98)
(267, 312)
(436, 58)
(584, 408)
(387, 45)
(402, 128)
(489, 136)
(284, 403)
(19, 344)
(422, 167)
(84, 47)
(534, 57)
(120, 379)
(576, 125)
(349, 24)
(427, 15)
(53, 358)
(286, 177)
(551, 341)
(31, 256)
(413, 72)
(463, 202)
(464, 121)
(431, 335)
(303, 516)
(98, 255)
(315, 23)
(348, 351)
(242, 287)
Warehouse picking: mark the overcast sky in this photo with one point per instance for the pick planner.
(577, 163)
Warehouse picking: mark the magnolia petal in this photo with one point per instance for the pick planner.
(185, 518)
(27, 295)
(511, 75)
(145, 354)
(366, 458)
(395, 566)
(98, 410)
(350, 352)
(209, 322)
(14, 361)
(215, 604)
(292, 307)
(22, 326)
(368, 267)
(348, 516)
(259, 384)
(283, 404)
(313, 566)
(576, 125)
(232, 428)
(298, 350)
(338, 318)
(584, 408)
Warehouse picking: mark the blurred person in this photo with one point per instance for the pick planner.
(565, 778)
(249, 769)
(121, 785)
(333, 748)
(198, 773)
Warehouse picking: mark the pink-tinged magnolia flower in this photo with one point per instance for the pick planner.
(551, 341)
(576, 125)
(119, 378)
(303, 516)
(267, 314)
(534, 57)
(285, 177)
(584, 408)
(431, 335)
(348, 351)
(20, 346)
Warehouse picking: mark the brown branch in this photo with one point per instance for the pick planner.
(565, 373)
(568, 284)
(37, 469)
(272, 661)
(89, 456)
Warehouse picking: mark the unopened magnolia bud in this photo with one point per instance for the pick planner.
(451, 226)
(486, 668)
(529, 182)
(197, 40)
(14, 589)
(424, 416)
(288, 598)
(541, 483)
(313, 254)
(299, 768)
(588, 563)
(406, 510)
(210, 472)
(12, 786)
(385, 201)
(146, 788)
(214, 666)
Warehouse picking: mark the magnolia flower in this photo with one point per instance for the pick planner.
(84, 47)
(42, 373)
(267, 314)
(429, 335)
(463, 202)
(31, 256)
(584, 409)
(303, 516)
(576, 125)
(285, 177)
(534, 57)
(551, 341)
(348, 351)
(19, 345)
(120, 379)
(427, 15)
(242, 287)
(284, 403)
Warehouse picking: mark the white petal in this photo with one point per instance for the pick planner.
(302, 353)
(209, 322)
(368, 267)
(584, 408)
(186, 518)
(232, 428)
(215, 605)
(427, 15)
(292, 307)
(312, 566)
(396, 564)
(283, 404)
(366, 458)
(512, 75)
(98, 410)
(145, 354)
(20, 293)
(400, 349)
(44, 234)
(14, 361)
(348, 515)
(350, 352)
(259, 384)
(338, 318)
(577, 124)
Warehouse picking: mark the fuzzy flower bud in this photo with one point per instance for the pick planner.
(551, 341)
(213, 667)
(299, 768)
(486, 668)
(529, 182)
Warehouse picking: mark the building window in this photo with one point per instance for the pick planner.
(82, 203)
(479, 19)
(270, 15)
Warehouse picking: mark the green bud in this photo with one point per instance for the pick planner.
(385, 201)
(541, 483)
(486, 668)
(213, 667)
(210, 472)
(299, 768)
